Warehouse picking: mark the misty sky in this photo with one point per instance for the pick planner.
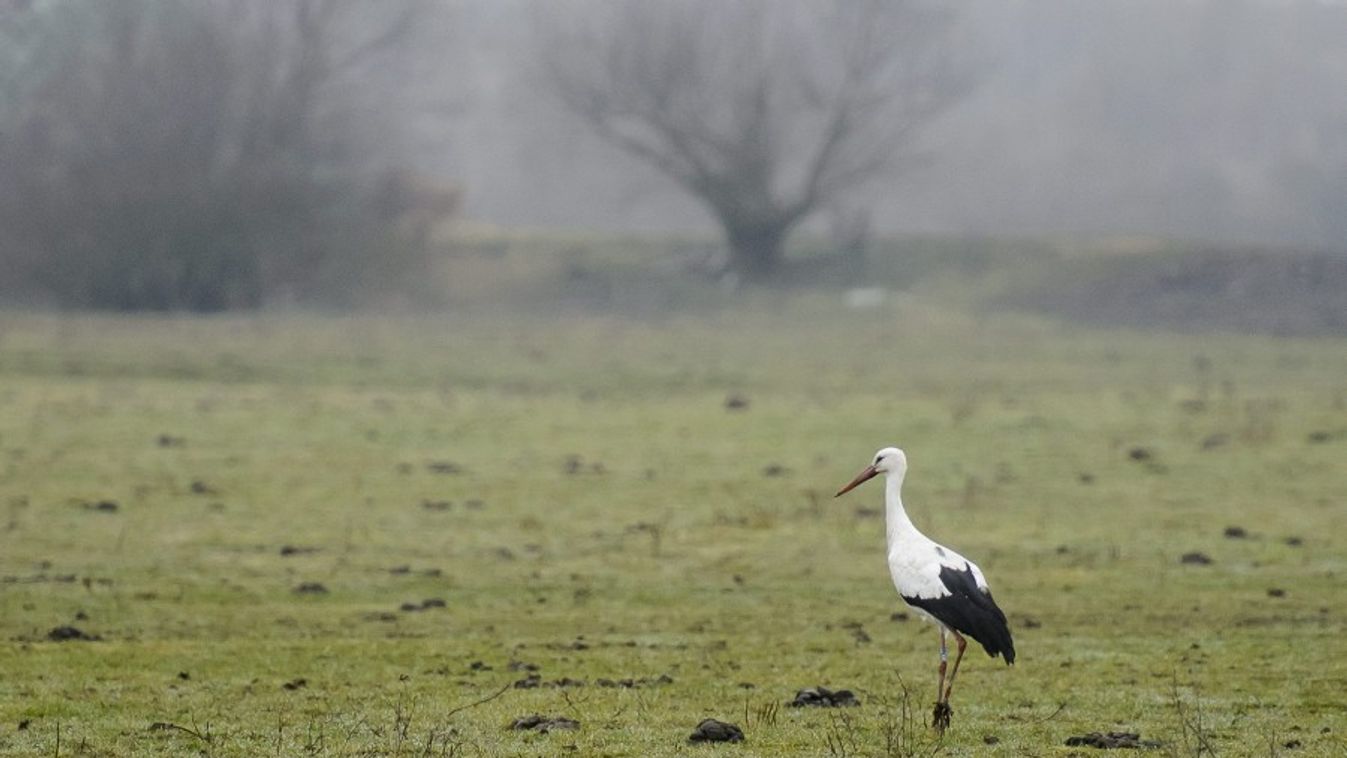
(1222, 119)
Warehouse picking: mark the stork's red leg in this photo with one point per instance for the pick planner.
(940, 715)
(958, 656)
(944, 657)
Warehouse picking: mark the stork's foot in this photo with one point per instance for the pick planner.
(940, 717)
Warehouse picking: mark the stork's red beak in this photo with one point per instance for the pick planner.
(866, 473)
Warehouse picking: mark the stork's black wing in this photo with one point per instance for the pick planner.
(969, 610)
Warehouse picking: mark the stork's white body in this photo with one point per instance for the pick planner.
(915, 560)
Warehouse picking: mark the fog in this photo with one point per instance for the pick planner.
(1210, 119)
(223, 154)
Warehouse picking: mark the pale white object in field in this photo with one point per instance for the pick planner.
(866, 297)
(939, 584)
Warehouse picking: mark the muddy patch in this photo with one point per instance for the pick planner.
(822, 697)
(711, 730)
(1112, 741)
(576, 464)
(311, 588)
(533, 680)
(39, 579)
(406, 570)
(857, 631)
(424, 605)
(630, 683)
(71, 633)
(103, 506)
(543, 724)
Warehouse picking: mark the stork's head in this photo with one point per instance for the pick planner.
(889, 460)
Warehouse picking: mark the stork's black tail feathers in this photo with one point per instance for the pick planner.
(970, 611)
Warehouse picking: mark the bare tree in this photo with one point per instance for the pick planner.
(764, 110)
(202, 155)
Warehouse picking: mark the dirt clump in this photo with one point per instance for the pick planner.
(858, 632)
(822, 697)
(69, 633)
(736, 402)
(543, 724)
(711, 730)
(1111, 741)
(424, 605)
(633, 682)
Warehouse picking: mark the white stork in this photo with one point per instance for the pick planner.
(938, 583)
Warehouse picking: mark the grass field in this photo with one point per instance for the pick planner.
(576, 492)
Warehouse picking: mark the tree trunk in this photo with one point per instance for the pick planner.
(756, 249)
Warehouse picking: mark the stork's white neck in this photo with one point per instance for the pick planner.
(898, 525)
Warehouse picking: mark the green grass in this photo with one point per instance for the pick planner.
(626, 529)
